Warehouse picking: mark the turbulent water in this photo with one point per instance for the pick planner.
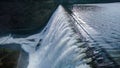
(56, 46)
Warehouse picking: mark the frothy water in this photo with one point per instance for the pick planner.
(56, 46)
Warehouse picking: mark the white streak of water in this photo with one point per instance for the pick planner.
(59, 47)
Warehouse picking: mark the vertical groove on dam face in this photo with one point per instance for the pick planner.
(59, 46)
(99, 29)
(76, 36)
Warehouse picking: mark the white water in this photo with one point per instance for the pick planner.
(58, 48)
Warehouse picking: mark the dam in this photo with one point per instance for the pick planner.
(76, 36)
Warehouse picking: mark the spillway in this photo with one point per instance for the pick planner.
(56, 46)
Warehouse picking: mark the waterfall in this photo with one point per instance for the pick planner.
(59, 46)
(56, 46)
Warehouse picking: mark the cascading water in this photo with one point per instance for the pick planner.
(56, 46)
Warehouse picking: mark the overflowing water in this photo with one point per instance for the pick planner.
(56, 46)
(102, 23)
